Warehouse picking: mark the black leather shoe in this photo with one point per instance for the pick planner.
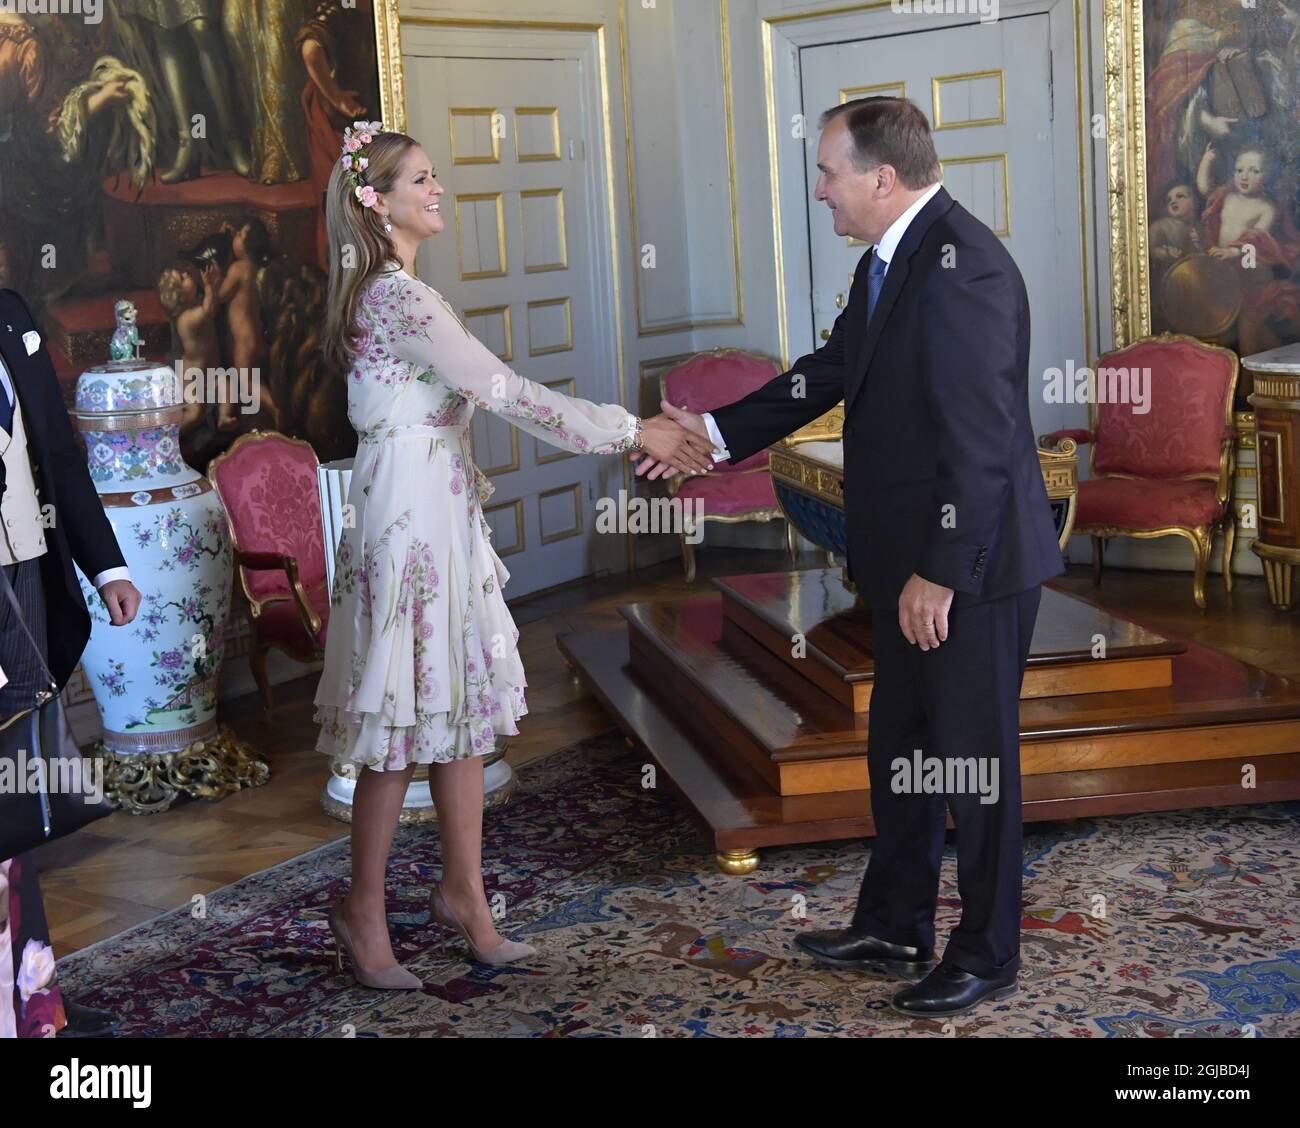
(843, 947)
(87, 1022)
(948, 990)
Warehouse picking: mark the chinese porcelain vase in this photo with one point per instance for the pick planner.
(155, 680)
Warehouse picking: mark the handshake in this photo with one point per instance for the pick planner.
(677, 440)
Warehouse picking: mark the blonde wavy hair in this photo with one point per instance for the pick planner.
(358, 245)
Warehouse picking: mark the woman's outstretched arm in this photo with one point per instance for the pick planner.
(425, 331)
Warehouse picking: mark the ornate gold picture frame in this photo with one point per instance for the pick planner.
(1202, 102)
(388, 51)
(1126, 169)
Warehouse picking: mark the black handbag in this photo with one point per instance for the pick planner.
(47, 788)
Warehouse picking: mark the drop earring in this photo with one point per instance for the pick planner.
(388, 227)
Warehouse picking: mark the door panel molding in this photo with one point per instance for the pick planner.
(555, 146)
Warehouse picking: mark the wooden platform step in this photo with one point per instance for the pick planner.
(737, 697)
(810, 621)
(742, 813)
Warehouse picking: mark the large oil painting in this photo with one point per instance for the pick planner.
(173, 154)
(1222, 132)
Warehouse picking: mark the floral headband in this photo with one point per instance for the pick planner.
(355, 138)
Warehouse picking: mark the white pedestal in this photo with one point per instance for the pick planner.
(499, 782)
(334, 479)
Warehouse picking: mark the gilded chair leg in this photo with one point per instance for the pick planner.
(1229, 541)
(1202, 546)
(792, 542)
(1098, 551)
(257, 660)
(688, 558)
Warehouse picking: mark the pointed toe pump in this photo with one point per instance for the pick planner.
(395, 978)
(507, 952)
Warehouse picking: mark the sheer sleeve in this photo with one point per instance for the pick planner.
(423, 330)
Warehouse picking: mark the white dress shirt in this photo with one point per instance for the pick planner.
(885, 251)
(109, 574)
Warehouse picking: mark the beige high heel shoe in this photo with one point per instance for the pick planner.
(508, 951)
(395, 978)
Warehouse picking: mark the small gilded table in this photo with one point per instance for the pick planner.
(808, 479)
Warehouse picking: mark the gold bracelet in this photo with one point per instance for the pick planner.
(636, 435)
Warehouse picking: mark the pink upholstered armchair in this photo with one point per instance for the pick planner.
(267, 483)
(729, 494)
(1168, 471)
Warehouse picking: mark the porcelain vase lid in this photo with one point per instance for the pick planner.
(127, 385)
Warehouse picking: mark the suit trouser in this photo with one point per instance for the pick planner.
(953, 703)
(17, 658)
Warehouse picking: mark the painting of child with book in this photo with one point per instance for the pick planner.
(1223, 133)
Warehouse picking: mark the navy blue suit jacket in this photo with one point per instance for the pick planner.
(941, 471)
(80, 531)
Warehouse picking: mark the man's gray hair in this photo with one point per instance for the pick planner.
(890, 131)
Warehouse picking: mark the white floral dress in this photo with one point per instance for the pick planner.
(421, 659)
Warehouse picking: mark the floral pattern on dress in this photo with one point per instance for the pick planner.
(31, 1004)
(422, 658)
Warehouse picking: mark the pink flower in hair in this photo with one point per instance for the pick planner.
(367, 195)
(352, 143)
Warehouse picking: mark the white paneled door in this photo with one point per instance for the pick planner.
(987, 92)
(511, 140)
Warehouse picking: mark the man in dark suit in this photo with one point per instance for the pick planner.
(950, 535)
(50, 518)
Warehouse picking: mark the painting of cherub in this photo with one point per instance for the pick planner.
(1223, 134)
(174, 124)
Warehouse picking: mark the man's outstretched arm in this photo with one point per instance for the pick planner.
(814, 384)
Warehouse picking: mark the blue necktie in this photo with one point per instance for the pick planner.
(875, 282)
(6, 404)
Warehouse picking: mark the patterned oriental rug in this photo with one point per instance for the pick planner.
(641, 936)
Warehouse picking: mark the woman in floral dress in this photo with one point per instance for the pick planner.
(421, 662)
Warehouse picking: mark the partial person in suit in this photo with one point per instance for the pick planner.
(43, 464)
(950, 535)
